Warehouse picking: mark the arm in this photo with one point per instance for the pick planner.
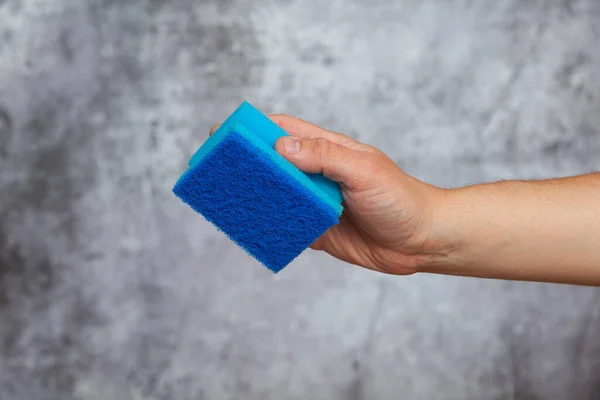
(396, 224)
(539, 230)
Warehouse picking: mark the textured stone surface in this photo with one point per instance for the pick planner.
(110, 288)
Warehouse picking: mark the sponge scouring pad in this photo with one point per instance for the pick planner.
(239, 183)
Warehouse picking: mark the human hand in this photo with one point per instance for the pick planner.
(387, 220)
(396, 224)
(386, 223)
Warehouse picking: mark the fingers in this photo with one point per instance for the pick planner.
(335, 234)
(347, 166)
(343, 242)
(305, 130)
(317, 150)
(214, 129)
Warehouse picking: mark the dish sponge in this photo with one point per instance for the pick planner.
(239, 183)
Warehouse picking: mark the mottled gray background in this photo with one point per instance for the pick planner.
(110, 288)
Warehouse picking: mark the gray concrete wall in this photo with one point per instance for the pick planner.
(110, 288)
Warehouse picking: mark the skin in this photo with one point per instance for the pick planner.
(393, 223)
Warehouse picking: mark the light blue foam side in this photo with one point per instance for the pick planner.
(260, 129)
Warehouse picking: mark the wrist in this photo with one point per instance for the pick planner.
(464, 228)
(443, 243)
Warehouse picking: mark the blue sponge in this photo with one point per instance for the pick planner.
(238, 182)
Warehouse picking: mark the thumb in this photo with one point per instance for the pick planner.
(322, 156)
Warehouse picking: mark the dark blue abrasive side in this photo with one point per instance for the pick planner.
(246, 194)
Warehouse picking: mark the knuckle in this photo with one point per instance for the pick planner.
(322, 148)
(370, 149)
(371, 165)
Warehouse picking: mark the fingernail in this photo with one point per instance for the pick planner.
(291, 144)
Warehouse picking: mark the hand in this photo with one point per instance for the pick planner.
(393, 223)
(387, 218)
(387, 214)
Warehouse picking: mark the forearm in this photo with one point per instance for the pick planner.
(535, 230)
